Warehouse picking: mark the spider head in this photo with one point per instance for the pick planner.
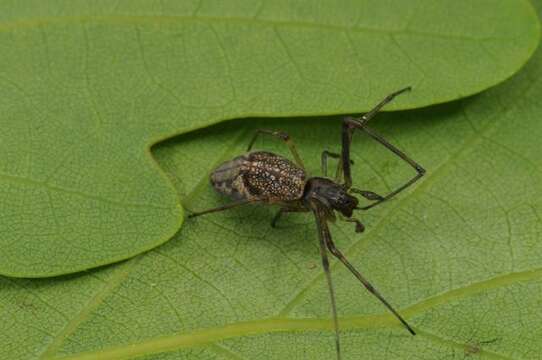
(332, 194)
(341, 201)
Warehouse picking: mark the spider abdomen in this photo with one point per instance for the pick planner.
(260, 175)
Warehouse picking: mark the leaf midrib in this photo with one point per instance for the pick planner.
(122, 273)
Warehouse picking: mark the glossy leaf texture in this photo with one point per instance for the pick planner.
(460, 254)
(87, 87)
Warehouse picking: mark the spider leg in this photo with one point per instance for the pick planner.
(350, 124)
(348, 127)
(335, 252)
(224, 207)
(323, 159)
(420, 171)
(282, 136)
(369, 195)
(324, 236)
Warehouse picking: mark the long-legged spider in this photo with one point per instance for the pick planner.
(264, 177)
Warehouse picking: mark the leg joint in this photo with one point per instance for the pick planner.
(282, 135)
(420, 170)
(351, 122)
(279, 134)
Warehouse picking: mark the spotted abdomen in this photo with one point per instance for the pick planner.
(260, 175)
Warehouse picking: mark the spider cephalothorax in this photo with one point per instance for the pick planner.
(264, 177)
(331, 195)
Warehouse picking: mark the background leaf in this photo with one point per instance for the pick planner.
(87, 87)
(460, 253)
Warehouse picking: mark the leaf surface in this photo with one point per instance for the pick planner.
(87, 87)
(460, 253)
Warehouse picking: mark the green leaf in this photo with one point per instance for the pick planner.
(460, 254)
(87, 87)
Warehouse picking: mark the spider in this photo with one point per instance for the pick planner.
(264, 177)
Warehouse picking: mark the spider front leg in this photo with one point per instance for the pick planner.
(369, 195)
(350, 124)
